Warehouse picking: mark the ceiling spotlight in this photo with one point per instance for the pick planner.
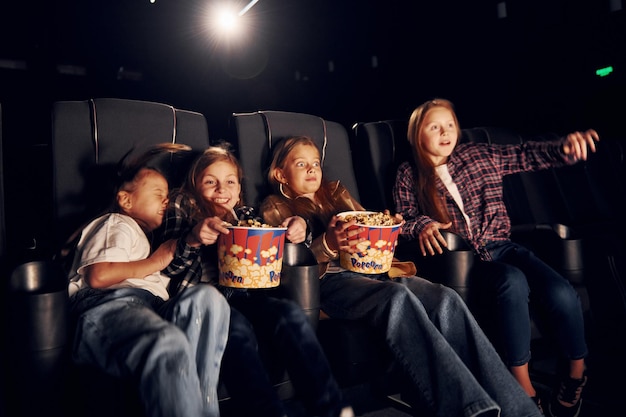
(227, 20)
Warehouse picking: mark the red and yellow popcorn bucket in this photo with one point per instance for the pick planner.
(380, 238)
(251, 257)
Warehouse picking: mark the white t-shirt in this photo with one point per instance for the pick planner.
(115, 237)
(444, 174)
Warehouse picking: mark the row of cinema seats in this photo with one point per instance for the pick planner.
(563, 214)
(87, 139)
(87, 136)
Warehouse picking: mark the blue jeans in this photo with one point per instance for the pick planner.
(516, 283)
(172, 348)
(284, 337)
(454, 369)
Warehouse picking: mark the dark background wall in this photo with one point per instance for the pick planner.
(536, 67)
(533, 69)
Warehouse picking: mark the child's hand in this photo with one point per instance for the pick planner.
(431, 240)
(164, 254)
(207, 231)
(296, 229)
(343, 235)
(396, 216)
(576, 144)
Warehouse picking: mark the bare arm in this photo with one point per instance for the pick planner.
(105, 274)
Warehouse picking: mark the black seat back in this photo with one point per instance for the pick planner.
(88, 138)
(356, 357)
(2, 223)
(90, 135)
(255, 135)
(378, 148)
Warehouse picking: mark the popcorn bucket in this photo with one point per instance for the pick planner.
(375, 252)
(251, 257)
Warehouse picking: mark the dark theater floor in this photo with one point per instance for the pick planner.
(600, 396)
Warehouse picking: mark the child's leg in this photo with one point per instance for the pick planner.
(203, 314)
(125, 337)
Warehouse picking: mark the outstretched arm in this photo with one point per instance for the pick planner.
(577, 145)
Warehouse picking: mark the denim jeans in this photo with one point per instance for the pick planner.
(516, 283)
(286, 337)
(172, 348)
(454, 369)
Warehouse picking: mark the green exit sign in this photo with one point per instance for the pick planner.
(603, 72)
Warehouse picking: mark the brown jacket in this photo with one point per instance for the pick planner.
(276, 208)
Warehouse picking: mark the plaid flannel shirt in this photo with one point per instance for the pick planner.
(185, 270)
(478, 170)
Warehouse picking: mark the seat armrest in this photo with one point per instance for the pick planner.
(452, 268)
(455, 241)
(559, 230)
(557, 244)
(300, 280)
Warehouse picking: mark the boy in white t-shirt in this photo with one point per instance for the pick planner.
(127, 325)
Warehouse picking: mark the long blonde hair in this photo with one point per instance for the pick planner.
(426, 192)
(324, 206)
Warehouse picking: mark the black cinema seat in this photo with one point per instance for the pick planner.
(88, 138)
(98, 132)
(355, 356)
(380, 147)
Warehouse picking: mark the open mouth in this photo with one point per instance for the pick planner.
(221, 200)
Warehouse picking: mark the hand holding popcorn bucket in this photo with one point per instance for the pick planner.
(251, 257)
(379, 240)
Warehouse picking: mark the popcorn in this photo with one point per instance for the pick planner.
(251, 223)
(251, 256)
(376, 250)
(369, 218)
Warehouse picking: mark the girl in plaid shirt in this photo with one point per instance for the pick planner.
(459, 186)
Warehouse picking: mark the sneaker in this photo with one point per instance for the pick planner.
(567, 401)
(537, 400)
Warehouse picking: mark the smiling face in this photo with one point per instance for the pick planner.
(145, 199)
(438, 135)
(301, 173)
(219, 184)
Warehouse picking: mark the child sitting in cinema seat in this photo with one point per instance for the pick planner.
(459, 186)
(127, 324)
